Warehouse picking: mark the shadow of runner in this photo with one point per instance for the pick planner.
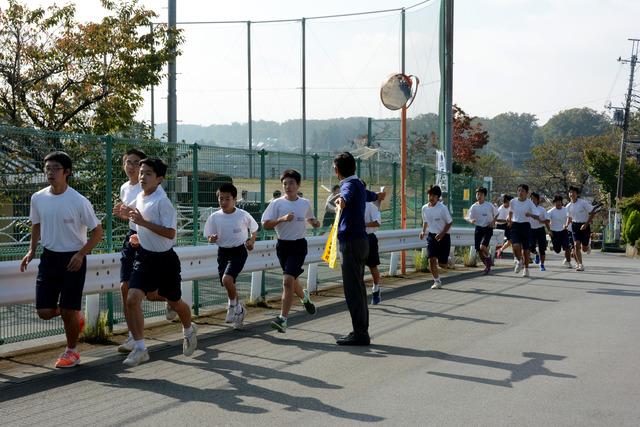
(406, 312)
(615, 292)
(479, 291)
(519, 371)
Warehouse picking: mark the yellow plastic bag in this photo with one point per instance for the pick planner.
(330, 255)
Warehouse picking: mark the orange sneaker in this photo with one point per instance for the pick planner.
(69, 359)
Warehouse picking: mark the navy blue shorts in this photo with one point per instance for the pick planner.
(231, 261)
(560, 241)
(291, 254)
(482, 236)
(55, 286)
(439, 249)
(520, 234)
(507, 230)
(127, 257)
(582, 236)
(538, 240)
(373, 260)
(157, 271)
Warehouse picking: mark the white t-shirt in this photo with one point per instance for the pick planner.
(230, 228)
(296, 228)
(558, 218)
(519, 209)
(482, 213)
(64, 219)
(371, 214)
(541, 213)
(436, 217)
(503, 213)
(579, 211)
(157, 209)
(128, 194)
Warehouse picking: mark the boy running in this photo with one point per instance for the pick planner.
(520, 210)
(372, 222)
(579, 216)
(538, 235)
(227, 228)
(557, 225)
(437, 219)
(288, 215)
(483, 215)
(60, 218)
(501, 224)
(157, 266)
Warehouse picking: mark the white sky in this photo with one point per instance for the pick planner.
(533, 56)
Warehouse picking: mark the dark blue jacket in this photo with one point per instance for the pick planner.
(351, 225)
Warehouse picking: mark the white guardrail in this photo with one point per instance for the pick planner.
(199, 262)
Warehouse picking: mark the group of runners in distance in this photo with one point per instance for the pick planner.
(150, 268)
(525, 223)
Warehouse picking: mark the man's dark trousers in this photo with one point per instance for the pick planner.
(354, 255)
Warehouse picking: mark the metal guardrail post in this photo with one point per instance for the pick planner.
(394, 199)
(196, 220)
(109, 218)
(263, 177)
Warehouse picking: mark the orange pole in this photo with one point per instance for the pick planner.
(403, 184)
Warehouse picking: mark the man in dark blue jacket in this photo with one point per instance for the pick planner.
(354, 246)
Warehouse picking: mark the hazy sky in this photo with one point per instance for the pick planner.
(534, 56)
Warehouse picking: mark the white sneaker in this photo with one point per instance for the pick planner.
(525, 272)
(588, 251)
(518, 267)
(238, 318)
(437, 284)
(579, 267)
(126, 346)
(515, 261)
(189, 343)
(231, 309)
(170, 313)
(567, 263)
(136, 357)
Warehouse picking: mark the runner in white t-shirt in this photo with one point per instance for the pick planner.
(483, 215)
(229, 228)
(557, 226)
(580, 214)
(372, 222)
(289, 216)
(437, 220)
(538, 234)
(60, 218)
(501, 223)
(520, 210)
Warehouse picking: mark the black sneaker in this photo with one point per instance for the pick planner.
(308, 305)
(279, 325)
(375, 298)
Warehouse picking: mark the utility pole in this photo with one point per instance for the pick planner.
(625, 133)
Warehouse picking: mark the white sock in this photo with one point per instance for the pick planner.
(71, 349)
(187, 331)
(139, 344)
(376, 287)
(233, 302)
(436, 279)
(130, 335)
(283, 317)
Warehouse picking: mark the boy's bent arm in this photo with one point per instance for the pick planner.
(33, 245)
(76, 261)
(167, 232)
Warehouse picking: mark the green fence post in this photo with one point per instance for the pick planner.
(315, 184)
(263, 178)
(109, 218)
(196, 220)
(423, 178)
(359, 167)
(394, 199)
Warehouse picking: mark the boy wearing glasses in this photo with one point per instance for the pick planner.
(60, 218)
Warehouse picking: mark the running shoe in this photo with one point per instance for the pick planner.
(170, 313)
(537, 259)
(542, 267)
(231, 310)
(567, 264)
(518, 267)
(525, 272)
(308, 304)
(588, 251)
(279, 324)
(437, 284)
(375, 298)
(127, 346)
(136, 357)
(238, 317)
(68, 359)
(579, 267)
(190, 342)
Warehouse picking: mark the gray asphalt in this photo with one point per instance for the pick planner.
(558, 348)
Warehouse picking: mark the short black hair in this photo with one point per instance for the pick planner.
(345, 163)
(61, 157)
(291, 173)
(482, 190)
(435, 190)
(156, 164)
(277, 193)
(558, 198)
(135, 152)
(506, 198)
(574, 188)
(335, 187)
(535, 195)
(525, 187)
(228, 187)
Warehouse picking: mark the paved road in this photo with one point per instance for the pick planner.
(559, 348)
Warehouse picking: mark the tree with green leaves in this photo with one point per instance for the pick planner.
(511, 136)
(62, 75)
(573, 123)
(603, 164)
